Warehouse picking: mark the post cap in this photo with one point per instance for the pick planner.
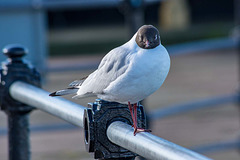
(15, 51)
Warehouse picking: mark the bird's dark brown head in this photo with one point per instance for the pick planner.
(147, 37)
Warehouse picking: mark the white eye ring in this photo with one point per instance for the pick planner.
(156, 37)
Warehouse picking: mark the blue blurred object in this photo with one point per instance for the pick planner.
(217, 147)
(201, 46)
(191, 106)
(20, 24)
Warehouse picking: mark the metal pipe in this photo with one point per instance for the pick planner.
(192, 106)
(201, 46)
(148, 145)
(57, 106)
(217, 146)
(144, 144)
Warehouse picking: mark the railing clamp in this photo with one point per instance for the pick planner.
(97, 118)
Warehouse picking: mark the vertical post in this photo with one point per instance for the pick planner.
(237, 32)
(133, 11)
(18, 113)
(237, 27)
(18, 135)
(135, 18)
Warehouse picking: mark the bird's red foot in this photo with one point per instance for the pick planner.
(137, 130)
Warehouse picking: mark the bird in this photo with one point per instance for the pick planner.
(127, 74)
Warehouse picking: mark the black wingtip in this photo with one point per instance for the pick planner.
(53, 94)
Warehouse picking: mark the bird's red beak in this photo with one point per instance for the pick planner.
(147, 43)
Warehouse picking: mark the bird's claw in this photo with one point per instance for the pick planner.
(137, 130)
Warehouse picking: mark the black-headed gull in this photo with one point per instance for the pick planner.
(127, 74)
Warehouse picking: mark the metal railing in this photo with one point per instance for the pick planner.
(36, 97)
(20, 94)
(193, 105)
(120, 133)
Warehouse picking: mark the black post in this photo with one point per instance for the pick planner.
(18, 135)
(133, 11)
(12, 70)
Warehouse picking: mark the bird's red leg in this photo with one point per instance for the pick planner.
(136, 129)
(131, 111)
(135, 115)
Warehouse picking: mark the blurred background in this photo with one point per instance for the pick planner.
(67, 39)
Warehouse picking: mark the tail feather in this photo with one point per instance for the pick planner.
(63, 92)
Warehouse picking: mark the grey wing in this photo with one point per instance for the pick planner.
(77, 83)
(112, 66)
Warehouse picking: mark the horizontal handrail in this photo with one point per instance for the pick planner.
(217, 146)
(193, 105)
(148, 145)
(39, 98)
(144, 144)
(201, 46)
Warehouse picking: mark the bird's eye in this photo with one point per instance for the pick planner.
(155, 37)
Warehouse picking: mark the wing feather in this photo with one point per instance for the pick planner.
(78, 82)
(113, 65)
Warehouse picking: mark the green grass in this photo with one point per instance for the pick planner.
(197, 32)
(193, 33)
(74, 48)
